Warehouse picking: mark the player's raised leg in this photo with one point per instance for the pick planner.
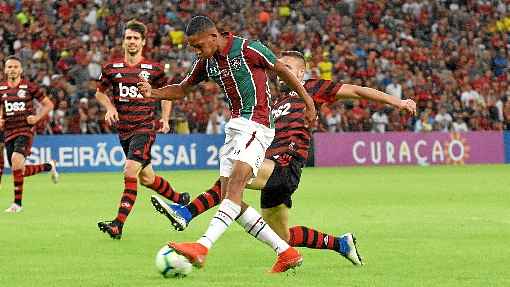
(33, 169)
(181, 215)
(150, 179)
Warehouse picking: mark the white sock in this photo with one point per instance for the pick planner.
(225, 215)
(255, 225)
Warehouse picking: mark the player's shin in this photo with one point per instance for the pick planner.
(206, 200)
(33, 169)
(256, 226)
(225, 215)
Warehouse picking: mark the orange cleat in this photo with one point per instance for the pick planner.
(195, 252)
(289, 259)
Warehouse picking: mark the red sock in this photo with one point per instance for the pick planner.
(36, 168)
(209, 199)
(128, 199)
(18, 186)
(301, 236)
(163, 187)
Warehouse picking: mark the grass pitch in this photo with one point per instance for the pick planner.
(416, 226)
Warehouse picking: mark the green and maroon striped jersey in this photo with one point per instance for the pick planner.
(240, 70)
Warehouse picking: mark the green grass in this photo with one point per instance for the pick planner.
(434, 226)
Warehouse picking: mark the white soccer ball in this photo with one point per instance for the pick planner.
(171, 264)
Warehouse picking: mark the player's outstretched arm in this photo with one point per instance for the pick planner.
(288, 77)
(348, 91)
(170, 92)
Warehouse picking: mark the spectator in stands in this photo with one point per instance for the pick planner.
(379, 121)
(440, 53)
(443, 120)
(459, 125)
(216, 122)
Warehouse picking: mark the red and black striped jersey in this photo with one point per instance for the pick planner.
(136, 113)
(292, 138)
(322, 91)
(17, 105)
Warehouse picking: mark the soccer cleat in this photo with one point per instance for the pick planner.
(184, 199)
(179, 215)
(289, 259)
(113, 229)
(53, 172)
(348, 249)
(195, 252)
(14, 208)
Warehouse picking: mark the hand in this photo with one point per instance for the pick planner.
(144, 88)
(32, 120)
(408, 105)
(310, 116)
(165, 127)
(2, 123)
(111, 116)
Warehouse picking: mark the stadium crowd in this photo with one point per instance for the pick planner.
(450, 56)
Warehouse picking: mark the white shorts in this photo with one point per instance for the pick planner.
(245, 141)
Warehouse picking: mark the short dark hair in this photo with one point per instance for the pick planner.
(136, 26)
(294, 54)
(12, 57)
(199, 24)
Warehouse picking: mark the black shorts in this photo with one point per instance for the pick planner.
(138, 148)
(281, 185)
(19, 144)
(2, 137)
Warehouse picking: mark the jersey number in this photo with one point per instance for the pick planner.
(281, 111)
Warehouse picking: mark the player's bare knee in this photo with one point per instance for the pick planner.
(18, 161)
(146, 179)
(130, 169)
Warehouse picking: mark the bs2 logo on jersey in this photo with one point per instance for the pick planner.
(126, 92)
(12, 107)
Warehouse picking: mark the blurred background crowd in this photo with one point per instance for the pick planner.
(451, 57)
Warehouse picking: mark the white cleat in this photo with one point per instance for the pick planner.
(14, 208)
(348, 249)
(53, 172)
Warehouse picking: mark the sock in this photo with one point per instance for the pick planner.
(225, 215)
(36, 168)
(206, 200)
(301, 236)
(162, 187)
(18, 185)
(128, 199)
(255, 225)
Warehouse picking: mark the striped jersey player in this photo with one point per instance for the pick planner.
(18, 118)
(134, 117)
(239, 66)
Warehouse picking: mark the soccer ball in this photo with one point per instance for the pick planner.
(172, 264)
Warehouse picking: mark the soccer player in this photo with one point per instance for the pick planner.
(133, 115)
(17, 121)
(239, 66)
(280, 174)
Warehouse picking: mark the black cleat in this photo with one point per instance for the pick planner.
(184, 199)
(113, 229)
